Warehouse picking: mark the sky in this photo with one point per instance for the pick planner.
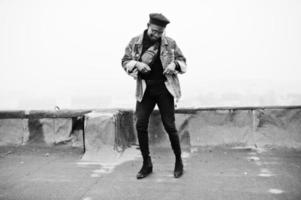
(67, 53)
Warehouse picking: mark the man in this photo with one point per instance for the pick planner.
(154, 60)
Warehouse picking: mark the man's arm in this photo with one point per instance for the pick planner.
(180, 60)
(130, 65)
(179, 63)
(127, 62)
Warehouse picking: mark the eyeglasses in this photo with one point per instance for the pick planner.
(157, 32)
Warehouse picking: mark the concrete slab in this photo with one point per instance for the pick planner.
(222, 172)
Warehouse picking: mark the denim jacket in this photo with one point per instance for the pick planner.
(170, 52)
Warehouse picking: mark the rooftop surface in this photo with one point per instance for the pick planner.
(223, 172)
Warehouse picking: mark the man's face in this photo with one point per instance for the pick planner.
(154, 31)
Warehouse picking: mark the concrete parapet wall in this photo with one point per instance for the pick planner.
(109, 128)
(219, 127)
(107, 134)
(43, 127)
(259, 127)
(100, 130)
(278, 127)
(50, 131)
(13, 131)
(272, 126)
(24, 131)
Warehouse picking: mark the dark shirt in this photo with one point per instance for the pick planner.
(156, 73)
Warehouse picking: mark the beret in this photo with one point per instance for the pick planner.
(158, 19)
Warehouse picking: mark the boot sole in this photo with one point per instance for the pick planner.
(141, 176)
(178, 174)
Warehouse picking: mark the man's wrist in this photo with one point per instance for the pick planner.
(131, 66)
(137, 65)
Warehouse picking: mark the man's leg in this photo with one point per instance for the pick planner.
(143, 112)
(167, 110)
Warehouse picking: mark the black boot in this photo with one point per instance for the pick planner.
(178, 172)
(147, 168)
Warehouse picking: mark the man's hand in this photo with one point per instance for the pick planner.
(170, 69)
(142, 67)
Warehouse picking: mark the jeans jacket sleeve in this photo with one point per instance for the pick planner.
(180, 60)
(129, 61)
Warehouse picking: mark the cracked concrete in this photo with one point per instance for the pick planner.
(222, 172)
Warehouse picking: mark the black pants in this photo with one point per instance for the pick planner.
(156, 94)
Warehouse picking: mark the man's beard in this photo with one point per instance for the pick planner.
(153, 38)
